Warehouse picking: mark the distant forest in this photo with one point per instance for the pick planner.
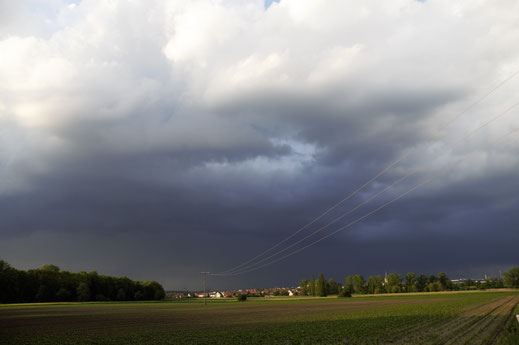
(394, 283)
(50, 284)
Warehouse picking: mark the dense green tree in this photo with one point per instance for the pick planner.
(433, 278)
(371, 284)
(421, 282)
(101, 298)
(332, 287)
(359, 284)
(49, 283)
(321, 286)
(121, 295)
(157, 292)
(64, 294)
(83, 292)
(444, 281)
(494, 283)
(410, 282)
(312, 286)
(50, 268)
(512, 278)
(4, 265)
(468, 284)
(436, 286)
(305, 287)
(348, 285)
(344, 292)
(394, 283)
(375, 284)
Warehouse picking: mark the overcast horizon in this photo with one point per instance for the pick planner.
(159, 139)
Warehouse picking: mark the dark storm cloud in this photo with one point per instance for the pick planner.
(158, 149)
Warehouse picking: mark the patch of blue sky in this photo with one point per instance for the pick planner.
(300, 156)
(269, 2)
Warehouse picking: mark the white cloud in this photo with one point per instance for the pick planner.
(159, 75)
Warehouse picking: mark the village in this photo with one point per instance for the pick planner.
(286, 291)
(455, 284)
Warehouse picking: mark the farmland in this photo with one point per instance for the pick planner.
(441, 318)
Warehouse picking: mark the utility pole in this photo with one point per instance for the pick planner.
(205, 277)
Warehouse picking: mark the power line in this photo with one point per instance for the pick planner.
(205, 274)
(480, 99)
(411, 173)
(382, 172)
(362, 217)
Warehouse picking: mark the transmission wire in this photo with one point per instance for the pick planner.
(413, 172)
(382, 172)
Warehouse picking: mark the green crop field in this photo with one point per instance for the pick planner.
(442, 318)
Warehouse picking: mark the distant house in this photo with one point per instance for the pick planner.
(178, 295)
(216, 295)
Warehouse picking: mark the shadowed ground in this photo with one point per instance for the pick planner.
(448, 318)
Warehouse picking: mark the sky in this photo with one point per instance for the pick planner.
(158, 139)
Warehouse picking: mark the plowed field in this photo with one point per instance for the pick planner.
(443, 318)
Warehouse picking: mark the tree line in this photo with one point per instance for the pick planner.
(50, 284)
(395, 283)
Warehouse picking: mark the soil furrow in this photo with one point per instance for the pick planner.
(492, 338)
(478, 325)
(441, 332)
